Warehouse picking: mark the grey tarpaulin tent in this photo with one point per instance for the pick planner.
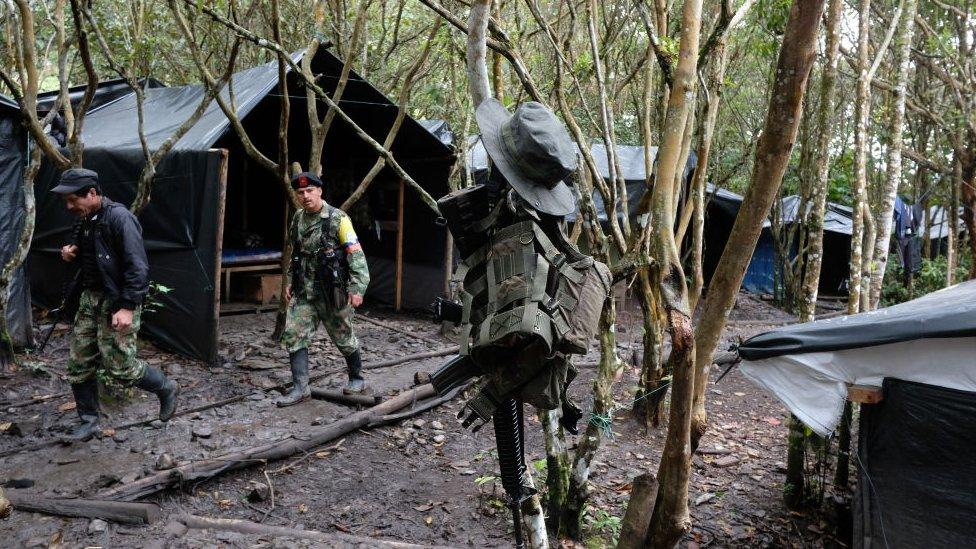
(13, 159)
(211, 208)
(915, 450)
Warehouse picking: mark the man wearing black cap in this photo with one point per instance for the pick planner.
(115, 280)
(328, 277)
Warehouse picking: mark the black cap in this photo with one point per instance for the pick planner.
(76, 179)
(305, 179)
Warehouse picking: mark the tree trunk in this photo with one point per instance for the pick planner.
(967, 185)
(7, 352)
(651, 390)
(862, 117)
(670, 520)
(794, 487)
(796, 56)
(558, 465)
(571, 520)
(477, 50)
(842, 471)
(902, 53)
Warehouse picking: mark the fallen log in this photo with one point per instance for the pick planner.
(239, 398)
(342, 398)
(115, 511)
(333, 539)
(205, 469)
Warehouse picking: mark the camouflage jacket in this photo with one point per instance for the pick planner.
(307, 239)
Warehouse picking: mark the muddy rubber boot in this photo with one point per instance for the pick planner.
(86, 403)
(299, 379)
(164, 388)
(356, 384)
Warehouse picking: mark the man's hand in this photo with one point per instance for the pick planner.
(122, 320)
(288, 292)
(69, 253)
(355, 300)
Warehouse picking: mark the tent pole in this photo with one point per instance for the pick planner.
(221, 209)
(399, 249)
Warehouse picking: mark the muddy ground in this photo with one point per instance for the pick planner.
(423, 481)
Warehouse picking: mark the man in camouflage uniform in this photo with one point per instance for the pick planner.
(115, 279)
(322, 290)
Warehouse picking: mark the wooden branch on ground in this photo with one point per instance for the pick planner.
(342, 398)
(408, 333)
(196, 471)
(332, 539)
(115, 511)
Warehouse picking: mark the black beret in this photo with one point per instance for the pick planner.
(305, 179)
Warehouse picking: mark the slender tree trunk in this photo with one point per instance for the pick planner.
(967, 186)
(558, 466)
(713, 96)
(813, 221)
(651, 387)
(862, 117)
(670, 520)
(796, 56)
(17, 258)
(902, 54)
(952, 218)
(842, 471)
(795, 485)
(571, 521)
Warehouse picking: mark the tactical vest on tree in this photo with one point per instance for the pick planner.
(527, 304)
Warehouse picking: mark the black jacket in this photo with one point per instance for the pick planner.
(121, 256)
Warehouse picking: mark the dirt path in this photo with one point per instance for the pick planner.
(423, 481)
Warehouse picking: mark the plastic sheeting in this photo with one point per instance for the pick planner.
(13, 153)
(916, 468)
(180, 228)
(112, 126)
(950, 312)
(809, 366)
(106, 92)
(837, 217)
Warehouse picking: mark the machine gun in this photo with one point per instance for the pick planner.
(72, 290)
(507, 418)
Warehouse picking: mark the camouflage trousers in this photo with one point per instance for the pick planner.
(98, 349)
(303, 318)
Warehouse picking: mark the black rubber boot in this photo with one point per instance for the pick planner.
(356, 384)
(164, 388)
(299, 378)
(86, 403)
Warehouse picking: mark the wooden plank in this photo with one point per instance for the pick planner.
(864, 394)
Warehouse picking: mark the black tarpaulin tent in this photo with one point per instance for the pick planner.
(916, 446)
(106, 92)
(213, 209)
(13, 159)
